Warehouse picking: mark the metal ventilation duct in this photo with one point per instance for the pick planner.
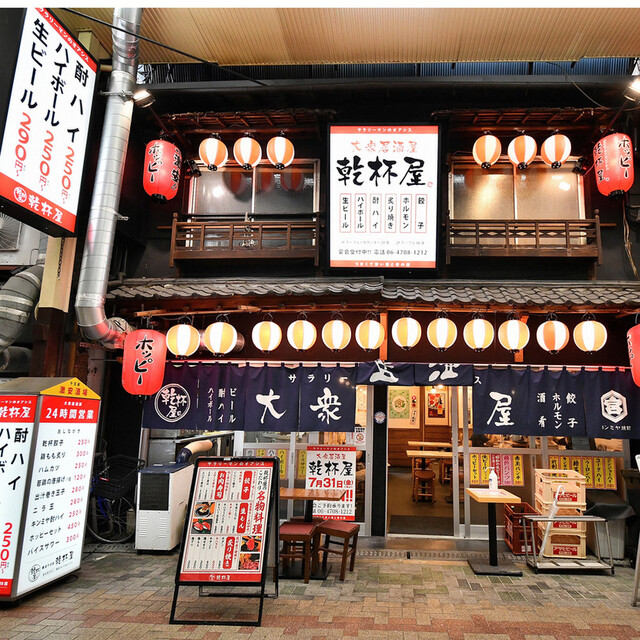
(103, 215)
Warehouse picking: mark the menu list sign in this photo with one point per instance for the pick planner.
(47, 125)
(227, 521)
(383, 196)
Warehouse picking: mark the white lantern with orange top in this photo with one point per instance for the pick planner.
(247, 152)
(370, 334)
(522, 150)
(280, 151)
(442, 333)
(336, 334)
(555, 150)
(486, 150)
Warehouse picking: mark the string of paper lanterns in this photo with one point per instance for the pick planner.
(246, 152)
(521, 151)
(221, 338)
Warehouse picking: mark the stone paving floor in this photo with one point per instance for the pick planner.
(117, 596)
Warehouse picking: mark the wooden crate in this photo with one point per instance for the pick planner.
(514, 526)
(561, 526)
(549, 480)
(564, 545)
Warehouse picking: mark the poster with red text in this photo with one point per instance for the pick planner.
(227, 521)
(333, 467)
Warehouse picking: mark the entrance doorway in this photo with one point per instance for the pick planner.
(422, 442)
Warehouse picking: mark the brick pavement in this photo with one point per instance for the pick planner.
(117, 596)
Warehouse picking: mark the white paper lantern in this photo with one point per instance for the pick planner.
(370, 335)
(513, 335)
(301, 335)
(183, 340)
(590, 336)
(442, 333)
(478, 334)
(266, 335)
(336, 335)
(406, 332)
(553, 335)
(220, 338)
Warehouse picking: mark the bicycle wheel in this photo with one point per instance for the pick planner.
(107, 519)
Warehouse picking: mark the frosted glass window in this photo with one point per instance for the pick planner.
(286, 191)
(222, 191)
(480, 194)
(547, 194)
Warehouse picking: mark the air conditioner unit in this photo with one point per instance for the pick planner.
(19, 243)
(163, 497)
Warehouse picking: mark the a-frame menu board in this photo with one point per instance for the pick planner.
(225, 542)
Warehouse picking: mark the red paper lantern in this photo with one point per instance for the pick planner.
(280, 152)
(292, 180)
(555, 150)
(633, 344)
(613, 164)
(145, 354)
(522, 150)
(213, 152)
(162, 162)
(486, 150)
(247, 152)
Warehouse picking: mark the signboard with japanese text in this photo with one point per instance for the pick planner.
(508, 468)
(383, 183)
(17, 417)
(333, 467)
(226, 531)
(599, 471)
(327, 399)
(50, 425)
(174, 406)
(47, 125)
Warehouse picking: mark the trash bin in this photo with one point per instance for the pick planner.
(632, 483)
(609, 505)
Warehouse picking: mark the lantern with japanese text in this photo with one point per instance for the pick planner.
(143, 360)
(213, 153)
(613, 164)
(247, 152)
(336, 334)
(183, 340)
(220, 338)
(555, 150)
(442, 333)
(486, 150)
(590, 335)
(513, 335)
(633, 345)
(552, 335)
(162, 162)
(406, 332)
(280, 151)
(266, 335)
(292, 180)
(522, 150)
(301, 334)
(478, 333)
(370, 334)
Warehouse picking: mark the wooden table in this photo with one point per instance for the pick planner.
(309, 495)
(491, 498)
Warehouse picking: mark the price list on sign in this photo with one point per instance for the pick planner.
(57, 502)
(227, 521)
(47, 440)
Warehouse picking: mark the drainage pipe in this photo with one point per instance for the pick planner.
(103, 214)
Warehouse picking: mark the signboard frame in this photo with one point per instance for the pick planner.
(432, 210)
(271, 519)
(67, 165)
(52, 392)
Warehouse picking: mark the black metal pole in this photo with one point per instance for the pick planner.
(493, 542)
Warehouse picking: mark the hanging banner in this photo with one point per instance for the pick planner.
(271, 402)
(332, 467)
(445, 374)
(612, 405)
(558, 402)
(501, 401)
(379, 372)
(175, 406)
(221, 398)
(327, 399)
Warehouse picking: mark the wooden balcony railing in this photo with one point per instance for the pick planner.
(223, 240)
(524, 238)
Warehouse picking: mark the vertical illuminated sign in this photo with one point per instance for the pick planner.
(47, 124)
(383, 196)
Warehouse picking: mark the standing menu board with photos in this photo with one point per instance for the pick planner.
(226, 534)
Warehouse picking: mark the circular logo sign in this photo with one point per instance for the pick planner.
(172, 402)
(34, 573)
(379, 417)
(20, 194)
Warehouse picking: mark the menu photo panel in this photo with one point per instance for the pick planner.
(383, 206)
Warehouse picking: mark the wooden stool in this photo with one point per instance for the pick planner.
(423, 485)
(347, 532)
(297, 544)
